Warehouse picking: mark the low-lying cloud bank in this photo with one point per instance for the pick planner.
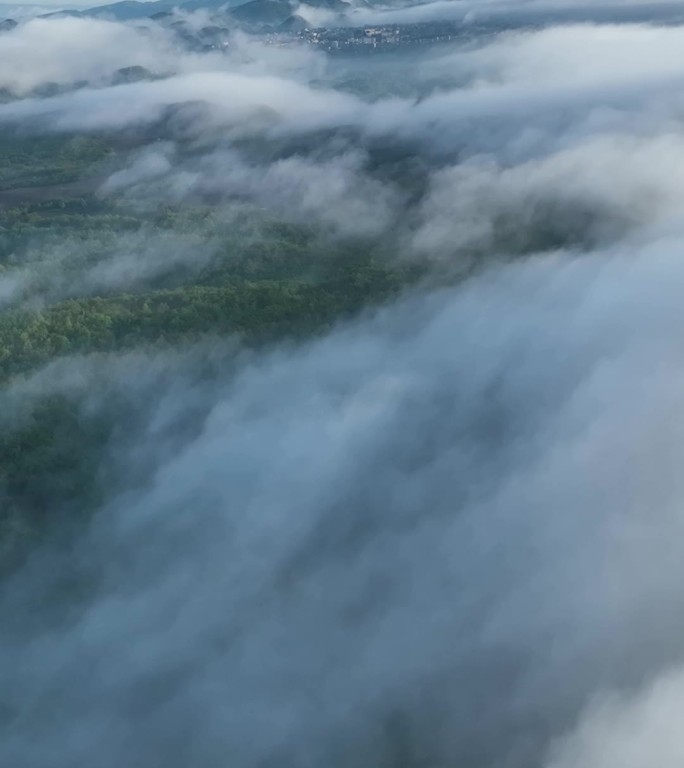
(582, 120)
(445, 530)
(518, 12)
(446, 533)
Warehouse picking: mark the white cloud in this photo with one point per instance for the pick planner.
(451, 528)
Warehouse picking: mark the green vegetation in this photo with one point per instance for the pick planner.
(34, 161)
(261, 310)
(49, 463)
(191, 274)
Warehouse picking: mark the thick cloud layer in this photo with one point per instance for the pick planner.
(518, 12)
(572, 129)
(446, 533)
(441, 515)
(517, 94)
(71, 51)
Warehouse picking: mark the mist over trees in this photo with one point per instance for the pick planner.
(340, 388)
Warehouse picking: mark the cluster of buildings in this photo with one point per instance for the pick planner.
(385, 38)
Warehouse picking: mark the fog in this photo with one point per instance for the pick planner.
(443, 532)
(518, 12)
(546, 90)
(443, 512)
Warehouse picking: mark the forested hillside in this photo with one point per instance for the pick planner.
(261, 280)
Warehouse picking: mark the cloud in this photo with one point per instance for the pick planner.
(505, 13)
(335, 193)
(69, 50)
(499, 102)
(436, 513)
(244, 102)
(578, 161)
(72, 50)
(447, 532)
(63, 265)
(552, 56)
(633, 731)
(599, 191)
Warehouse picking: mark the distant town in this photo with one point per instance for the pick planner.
(379, 39)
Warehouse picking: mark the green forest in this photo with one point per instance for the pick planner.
(263, 280)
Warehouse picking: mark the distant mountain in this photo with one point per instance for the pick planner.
(134, 74)
(294, 24)
(8, 25)
(251, 13)
(272, 12)
(129, 10)
(280, 13)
